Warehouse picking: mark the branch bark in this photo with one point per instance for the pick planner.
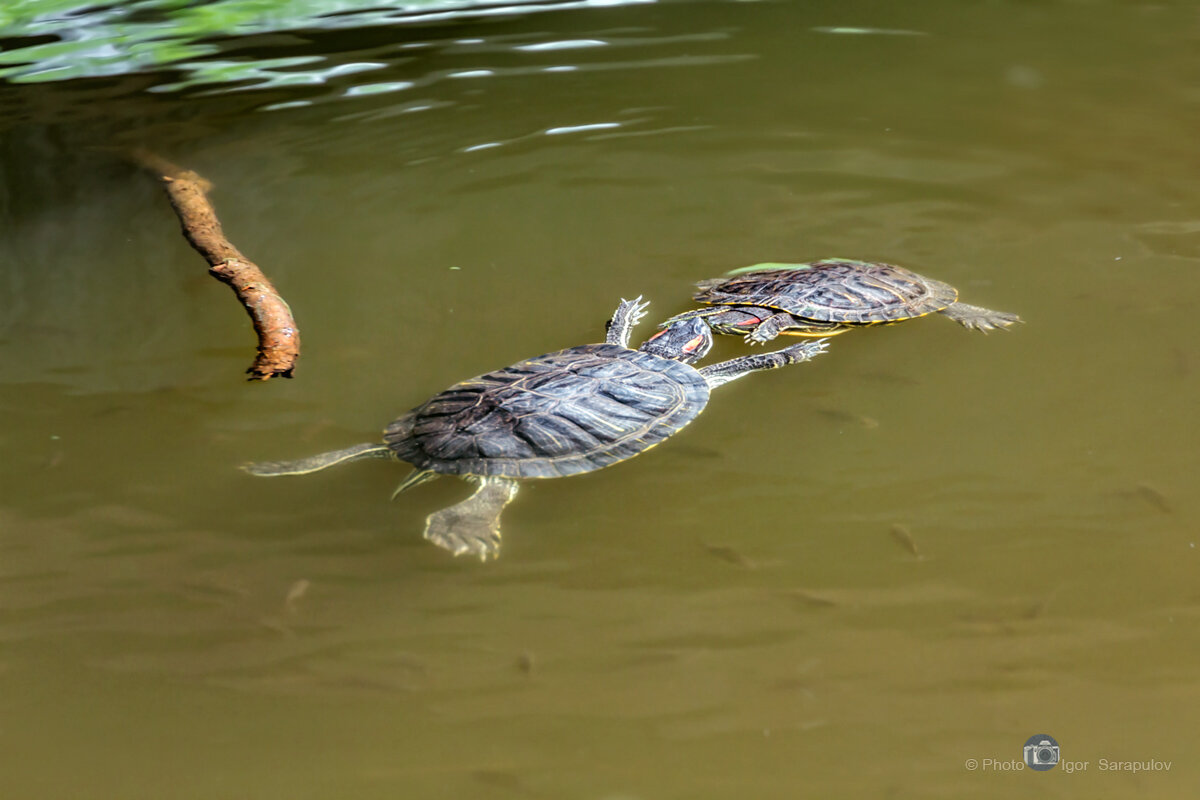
(278, 336)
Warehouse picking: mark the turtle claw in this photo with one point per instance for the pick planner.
(624, 319)
(638, 310)
(975, 318)
(806, 351)
(996, 321)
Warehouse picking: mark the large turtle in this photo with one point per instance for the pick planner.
(828, 297)
(562, 413)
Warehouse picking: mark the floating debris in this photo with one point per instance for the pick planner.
(904, 537)
(730, 554)
(808, 599)
(1036, 609)
(501, 779)
(837, 414)
(1154, 497)
(295, 593)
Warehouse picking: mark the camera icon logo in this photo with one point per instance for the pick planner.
(1041, 752)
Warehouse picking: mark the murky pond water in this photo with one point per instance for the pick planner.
(845, 579)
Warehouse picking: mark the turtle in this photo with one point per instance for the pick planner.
(827, 297)
(562, 413)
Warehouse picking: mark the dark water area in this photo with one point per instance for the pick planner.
(847, 578)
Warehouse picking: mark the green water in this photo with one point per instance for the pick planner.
(733, 614)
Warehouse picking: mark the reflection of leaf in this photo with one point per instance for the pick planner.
(264, 72)
(138, 36)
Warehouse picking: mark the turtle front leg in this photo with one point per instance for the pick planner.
(783, 322)
(977, 318)
(627, 315)
(770, 327)
(734, 368)
(473, 526)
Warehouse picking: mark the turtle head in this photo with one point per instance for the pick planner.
(685, 340)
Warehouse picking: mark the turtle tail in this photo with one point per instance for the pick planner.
(303, 466)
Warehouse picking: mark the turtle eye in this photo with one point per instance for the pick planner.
(693, 343)
(655, 336)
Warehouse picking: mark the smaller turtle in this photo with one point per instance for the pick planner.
(828, 297)
(562, 413)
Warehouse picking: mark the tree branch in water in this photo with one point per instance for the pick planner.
(278, 337)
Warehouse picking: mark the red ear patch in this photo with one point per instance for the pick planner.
(655, 336)
(749, 322)
(693, 343)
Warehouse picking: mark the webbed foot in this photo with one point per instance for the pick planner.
(977, 318)
(473, 526)
(461, 534)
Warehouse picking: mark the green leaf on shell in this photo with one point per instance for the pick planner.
(767, 265)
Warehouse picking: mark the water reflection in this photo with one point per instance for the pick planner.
(280, 73)
(64, 40)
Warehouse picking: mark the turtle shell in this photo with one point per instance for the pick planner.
(833, 290)
(563, 413)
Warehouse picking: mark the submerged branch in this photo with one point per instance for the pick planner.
(278, 337)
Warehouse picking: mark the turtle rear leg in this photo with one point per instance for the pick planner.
(473, 526)
(303, 466)
(979, 319)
